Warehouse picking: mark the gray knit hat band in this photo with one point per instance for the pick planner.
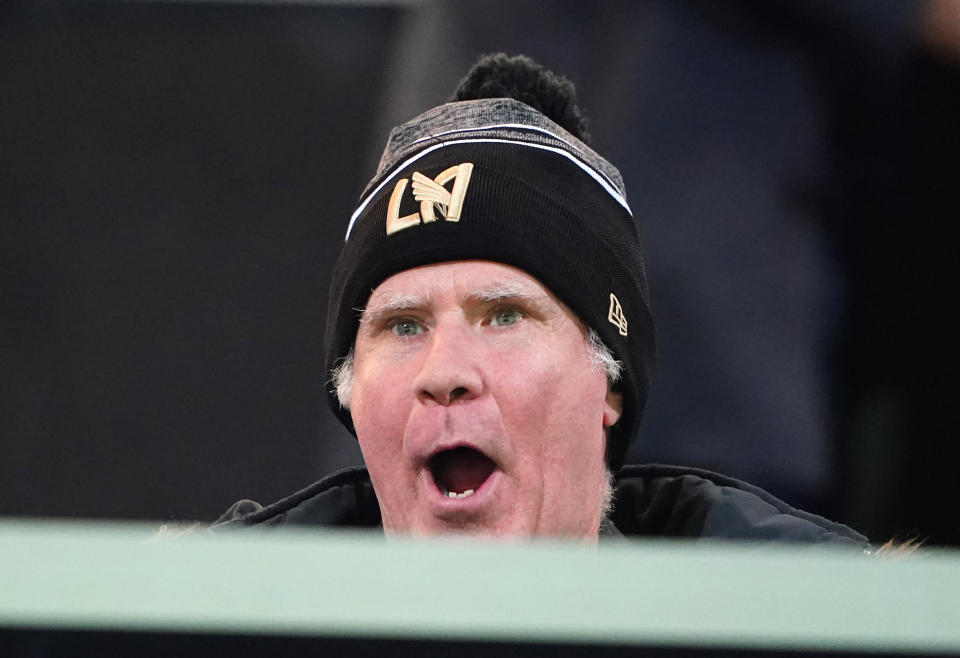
(491, 118)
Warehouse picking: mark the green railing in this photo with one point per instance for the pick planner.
(125, 577)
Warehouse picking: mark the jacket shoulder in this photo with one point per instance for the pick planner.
(345, 499)
(673, 501)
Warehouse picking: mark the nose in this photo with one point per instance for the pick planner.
(450, 370)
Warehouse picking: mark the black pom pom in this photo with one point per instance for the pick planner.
(521, 78)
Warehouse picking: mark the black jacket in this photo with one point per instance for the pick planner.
(651, 500)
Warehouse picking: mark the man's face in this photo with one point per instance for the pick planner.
(476, 406)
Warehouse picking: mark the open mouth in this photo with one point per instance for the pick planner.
(459, 472)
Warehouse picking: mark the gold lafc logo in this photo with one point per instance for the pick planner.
(431, 194)
(615, 315)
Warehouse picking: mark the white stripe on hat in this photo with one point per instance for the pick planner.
(517, 126)
(597, 176)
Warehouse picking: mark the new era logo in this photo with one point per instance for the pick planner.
(615, 315)
(432, 195)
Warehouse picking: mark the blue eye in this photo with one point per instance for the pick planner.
(406, 327)
(505, 317)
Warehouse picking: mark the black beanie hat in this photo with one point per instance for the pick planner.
(494, 179)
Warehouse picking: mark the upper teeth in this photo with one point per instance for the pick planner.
(463, 494)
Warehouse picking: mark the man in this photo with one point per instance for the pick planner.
(490, 341)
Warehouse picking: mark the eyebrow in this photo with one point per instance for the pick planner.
(498, 291)
(507, 290)
(385, 304)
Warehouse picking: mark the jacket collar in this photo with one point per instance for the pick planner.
(650, 500)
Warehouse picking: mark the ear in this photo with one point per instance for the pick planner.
(612, 408)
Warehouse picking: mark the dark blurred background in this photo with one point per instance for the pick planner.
(176, 178)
